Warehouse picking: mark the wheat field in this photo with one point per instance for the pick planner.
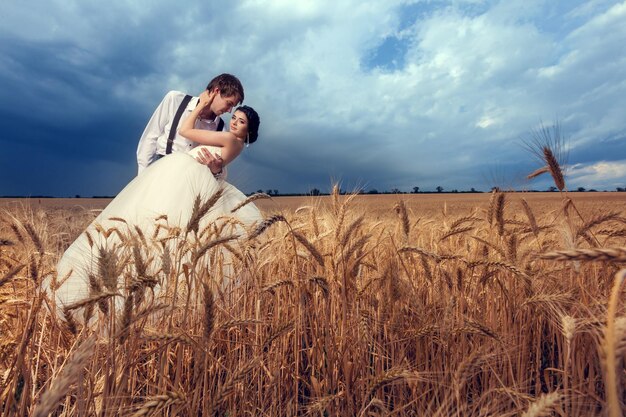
(459, 305)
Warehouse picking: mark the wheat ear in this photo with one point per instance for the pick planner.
(12, 273)
(309, 246)
(543, 406)
(159, 402)
(265, 224)
(554, 167)
(401, 211)
(538, 172)
(595, 254)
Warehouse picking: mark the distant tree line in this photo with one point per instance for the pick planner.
(316, 192)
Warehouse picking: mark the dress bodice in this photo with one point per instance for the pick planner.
(215, 150)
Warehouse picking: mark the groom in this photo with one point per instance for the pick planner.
(161, 137)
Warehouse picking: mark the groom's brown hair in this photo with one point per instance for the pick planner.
(228, 84)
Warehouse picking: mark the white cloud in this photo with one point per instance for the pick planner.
(600, 174)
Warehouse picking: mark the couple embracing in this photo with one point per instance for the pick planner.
(182, 157)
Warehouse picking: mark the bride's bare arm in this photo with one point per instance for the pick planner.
(201, 136)
(225, 140)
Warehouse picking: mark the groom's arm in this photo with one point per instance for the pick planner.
(147, 147)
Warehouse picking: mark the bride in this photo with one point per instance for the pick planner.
(175, 203)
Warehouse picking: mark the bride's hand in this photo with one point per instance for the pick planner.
(206, 98)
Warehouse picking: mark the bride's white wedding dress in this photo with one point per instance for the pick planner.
(153, 207)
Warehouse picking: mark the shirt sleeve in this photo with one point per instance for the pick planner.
(147, 147)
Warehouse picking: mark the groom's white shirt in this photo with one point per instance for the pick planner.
(153, 141)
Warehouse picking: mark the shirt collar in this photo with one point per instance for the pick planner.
(192, 105)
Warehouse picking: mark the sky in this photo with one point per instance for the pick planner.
(385, 94)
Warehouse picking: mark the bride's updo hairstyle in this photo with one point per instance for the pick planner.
(253, 122)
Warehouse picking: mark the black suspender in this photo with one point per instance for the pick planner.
(179, 113)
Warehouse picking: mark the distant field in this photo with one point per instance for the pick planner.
(380, 205)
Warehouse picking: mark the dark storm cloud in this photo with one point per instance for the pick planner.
(60, 113)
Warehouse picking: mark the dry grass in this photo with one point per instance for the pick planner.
(351, 306)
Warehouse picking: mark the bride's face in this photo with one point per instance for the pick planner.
(239, 124)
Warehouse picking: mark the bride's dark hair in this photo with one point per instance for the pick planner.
(253, 122)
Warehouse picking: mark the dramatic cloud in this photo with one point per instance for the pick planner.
(383, 95)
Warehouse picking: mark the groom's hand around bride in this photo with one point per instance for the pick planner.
(214, 162)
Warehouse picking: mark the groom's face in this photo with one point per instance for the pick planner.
(223, 104)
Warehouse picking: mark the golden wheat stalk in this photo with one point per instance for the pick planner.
(109, 267)
(335, 198)
(351, 230)
(609, 347)
(314, 223)
(499, 212)
(126, 320)
(72, 370)
(462, 220)
(265, 224)
(209, 312)
(511, 248)
(466, 368)
(538, 172)
(201, 209)
(320, 404)
(597, 221)
(420, 251)
(281, 330)
(169, 338)
(490, 245)
(140, 264)
(160, 402)
(11, 273)
(321, 283)
(206, 246)
(401, 211)
(91, 300)
(17, 232)
(225, 390)
(34, 237)
(272, 286)
(310, 247)
(356, 245)
(89, 238)
(491, 208)
(504, 265)
(612, 232)
(531, 217)
(473, 327)
(253, 197)
(139, 232)
(455, 232)
(549, 299)
(70, 322)
(236, 323)
(586, 255)
(118, 219)
(389, 377)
